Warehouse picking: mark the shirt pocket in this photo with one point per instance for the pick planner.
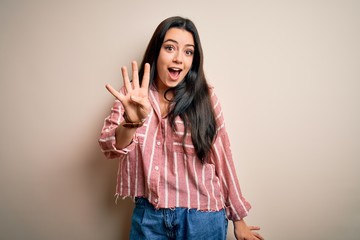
(179, 145)
(140, 136)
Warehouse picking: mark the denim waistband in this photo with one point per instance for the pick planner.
(176, 223)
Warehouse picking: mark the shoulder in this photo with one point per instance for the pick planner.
(213, 97)
(218, 111)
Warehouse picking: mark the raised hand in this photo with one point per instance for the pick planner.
(136, 100)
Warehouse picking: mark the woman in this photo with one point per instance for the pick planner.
(167, 129)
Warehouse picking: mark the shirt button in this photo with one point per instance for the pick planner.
(156, 168)
(158, 143)
(156, 200)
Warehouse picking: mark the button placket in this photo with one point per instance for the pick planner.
(155, 173)
(158, 156)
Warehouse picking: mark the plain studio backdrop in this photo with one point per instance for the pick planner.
(287, 74)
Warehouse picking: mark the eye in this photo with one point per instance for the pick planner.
(189, 52)
(169, 48)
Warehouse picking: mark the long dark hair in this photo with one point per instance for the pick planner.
(192, 100)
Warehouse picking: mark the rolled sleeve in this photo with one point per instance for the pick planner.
(107, 145)
(107, 140)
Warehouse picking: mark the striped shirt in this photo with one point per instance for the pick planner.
(155, 165)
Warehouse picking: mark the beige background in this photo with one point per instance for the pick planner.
(287, 74)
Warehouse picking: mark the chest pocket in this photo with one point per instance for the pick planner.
(177, 136)
(141, 133)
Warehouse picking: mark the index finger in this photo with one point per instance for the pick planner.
(115, 93)
(146, 77)
(135, 74)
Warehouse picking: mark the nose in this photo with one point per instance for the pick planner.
(177, 57)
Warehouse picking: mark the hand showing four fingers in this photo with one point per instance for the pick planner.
(136, 100)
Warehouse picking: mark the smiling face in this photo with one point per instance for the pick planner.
(175, 58)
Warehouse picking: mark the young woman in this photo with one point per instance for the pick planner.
(167, 129)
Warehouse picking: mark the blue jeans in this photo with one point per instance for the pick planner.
(177, 223)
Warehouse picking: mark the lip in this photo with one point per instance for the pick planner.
(175, 68)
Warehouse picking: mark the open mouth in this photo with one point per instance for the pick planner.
(174, 72)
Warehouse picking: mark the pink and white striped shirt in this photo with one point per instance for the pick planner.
(155, 166)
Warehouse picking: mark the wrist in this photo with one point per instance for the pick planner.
(239, 223)
(130, 124)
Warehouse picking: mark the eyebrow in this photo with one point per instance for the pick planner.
(174, 41)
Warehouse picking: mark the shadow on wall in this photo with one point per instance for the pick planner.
(100, 177)
(119, 213)
(68, 195)
(125, 224)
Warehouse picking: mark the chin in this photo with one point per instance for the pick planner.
(172, 84)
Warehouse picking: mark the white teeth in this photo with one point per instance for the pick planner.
(175, 69)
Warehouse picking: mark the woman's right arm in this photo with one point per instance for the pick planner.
(135, 105)
(109, 138)
(123, 136)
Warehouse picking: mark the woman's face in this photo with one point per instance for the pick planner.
(175, 58)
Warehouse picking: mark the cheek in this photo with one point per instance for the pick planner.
(160, 65)
(162, 61)
(189, 64)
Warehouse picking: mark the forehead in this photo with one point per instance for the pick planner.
(181, 36)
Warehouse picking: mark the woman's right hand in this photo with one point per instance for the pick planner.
(136, 100)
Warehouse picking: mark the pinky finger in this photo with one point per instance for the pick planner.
(114, 92)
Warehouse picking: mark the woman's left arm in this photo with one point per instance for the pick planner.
(236, 205)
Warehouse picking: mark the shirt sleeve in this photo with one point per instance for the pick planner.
(236, 205)
(107, 137)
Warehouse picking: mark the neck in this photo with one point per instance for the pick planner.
(162, 91)
(164, 101)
